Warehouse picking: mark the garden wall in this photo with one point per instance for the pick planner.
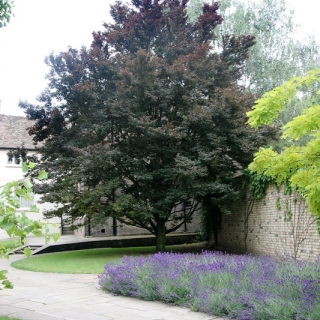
(278, 224)
(115, 242)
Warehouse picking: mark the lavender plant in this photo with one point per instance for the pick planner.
(239, 287)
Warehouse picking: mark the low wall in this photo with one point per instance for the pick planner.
(278, 224)
(171, 239)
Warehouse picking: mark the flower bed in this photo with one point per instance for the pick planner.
(240, 287)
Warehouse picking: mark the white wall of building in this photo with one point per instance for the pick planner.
(13, 172)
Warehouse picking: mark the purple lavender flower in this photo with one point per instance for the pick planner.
(240, 287)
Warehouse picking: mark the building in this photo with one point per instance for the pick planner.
(13, 133)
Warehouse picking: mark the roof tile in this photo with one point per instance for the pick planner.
(13, 132)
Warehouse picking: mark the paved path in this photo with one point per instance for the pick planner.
(52, 296)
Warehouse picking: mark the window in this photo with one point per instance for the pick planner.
(13, 161)
(26, 203)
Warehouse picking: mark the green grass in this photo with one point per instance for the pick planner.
(91, 261)
(7, 318)
(10, 244)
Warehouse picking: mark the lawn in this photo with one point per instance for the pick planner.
(239, 287)
(91, 261)
(7, 318)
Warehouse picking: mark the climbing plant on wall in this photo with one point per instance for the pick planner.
(298, 163)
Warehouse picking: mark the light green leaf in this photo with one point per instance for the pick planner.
(42, 175)
(31, 165)
(37, 233)
(4, 255)
(55, 236)
(2, 274)
(34, 208)
(11, 231)
(24, 167)
(27, 252)
(37, 224)
(27, 183)
(6, 225)
(7, 284)
(18, 233)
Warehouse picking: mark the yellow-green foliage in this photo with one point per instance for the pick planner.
(307, 123)
(273, 102)
(298, 165)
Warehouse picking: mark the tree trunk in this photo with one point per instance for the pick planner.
(161, 236)
(216, 239)
(211, 240)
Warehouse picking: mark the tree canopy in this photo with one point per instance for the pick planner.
(147, 121)
(298, 163)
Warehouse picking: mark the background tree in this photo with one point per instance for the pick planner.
(5, 11)
(298, 163)
(277, 55)
(148, 120)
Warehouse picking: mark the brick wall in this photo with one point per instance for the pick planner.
(278, 224)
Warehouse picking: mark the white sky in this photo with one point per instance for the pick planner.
(42, 26)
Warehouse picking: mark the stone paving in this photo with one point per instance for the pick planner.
(52, 296)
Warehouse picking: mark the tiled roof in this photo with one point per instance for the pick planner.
(13, 132)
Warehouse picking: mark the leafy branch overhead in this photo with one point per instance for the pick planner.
(269, 106)
(297, 163)
(17, 224)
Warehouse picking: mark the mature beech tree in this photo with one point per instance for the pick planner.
(146, 120)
